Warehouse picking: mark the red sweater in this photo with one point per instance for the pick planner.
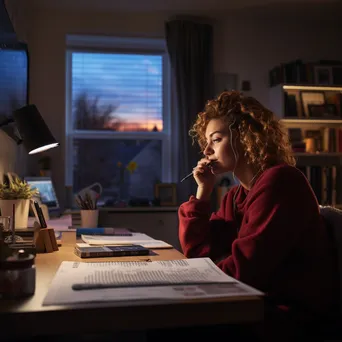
(277, 242)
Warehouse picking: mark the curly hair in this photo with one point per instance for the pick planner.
(261, 134)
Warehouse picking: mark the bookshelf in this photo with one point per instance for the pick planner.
(312, 115)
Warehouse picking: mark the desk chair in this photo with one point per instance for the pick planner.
(333, 220)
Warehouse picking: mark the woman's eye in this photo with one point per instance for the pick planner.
(216, 140)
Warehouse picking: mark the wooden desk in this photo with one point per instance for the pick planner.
(29, 317)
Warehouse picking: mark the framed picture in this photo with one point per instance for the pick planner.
(327, 110)
(166, 193)
(311, 98)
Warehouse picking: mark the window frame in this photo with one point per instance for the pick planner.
(101, 44)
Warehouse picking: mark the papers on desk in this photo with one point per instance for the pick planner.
(136, 239)
(133, 282)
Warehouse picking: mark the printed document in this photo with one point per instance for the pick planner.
(135, 239)
(82, 282)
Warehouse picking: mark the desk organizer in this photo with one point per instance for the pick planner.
(45, 240)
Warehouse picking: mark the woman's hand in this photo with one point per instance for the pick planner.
(204, 178)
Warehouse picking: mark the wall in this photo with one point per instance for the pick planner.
(12, 156)
(247, 46)
(18, 13)
(253, 48)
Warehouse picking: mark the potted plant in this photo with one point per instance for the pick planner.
(15, 191)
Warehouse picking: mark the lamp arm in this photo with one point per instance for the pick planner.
(6, 122)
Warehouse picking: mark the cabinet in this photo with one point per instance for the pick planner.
(313, 117)
(161, 223)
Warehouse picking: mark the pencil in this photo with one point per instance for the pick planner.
(190, 174)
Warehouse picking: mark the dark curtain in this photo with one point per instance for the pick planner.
(190, 45)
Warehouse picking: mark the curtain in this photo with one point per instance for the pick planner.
(190, 45)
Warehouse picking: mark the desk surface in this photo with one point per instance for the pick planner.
(30, 315)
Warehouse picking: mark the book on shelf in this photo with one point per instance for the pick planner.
(321, 140)
(326, 183)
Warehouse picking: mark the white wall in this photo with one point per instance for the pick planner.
(247, 47)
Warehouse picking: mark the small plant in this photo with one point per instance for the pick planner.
(17, 189)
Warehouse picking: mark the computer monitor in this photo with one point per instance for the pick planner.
(46, 190)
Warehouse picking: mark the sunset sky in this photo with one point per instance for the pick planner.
(131, 82)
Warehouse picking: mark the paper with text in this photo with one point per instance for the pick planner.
(136, 239)
(141, 281)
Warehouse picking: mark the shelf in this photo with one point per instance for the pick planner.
(318, 159)
(311, 121)
(321, 154)
(312, 87)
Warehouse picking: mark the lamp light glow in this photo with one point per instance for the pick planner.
(35, 134)
(43, 148)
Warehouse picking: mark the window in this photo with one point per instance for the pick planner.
(118, 122)
(13, 82)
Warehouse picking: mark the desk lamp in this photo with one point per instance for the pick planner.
(34, 133)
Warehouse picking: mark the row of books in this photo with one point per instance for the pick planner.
(299, 72)
(326, 182)
(326, 139)
(319, 105)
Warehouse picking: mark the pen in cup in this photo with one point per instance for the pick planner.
(190, 174)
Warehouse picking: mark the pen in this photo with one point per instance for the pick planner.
(190, 174)
(186, 177)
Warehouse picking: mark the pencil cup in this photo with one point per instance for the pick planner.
(89, 218)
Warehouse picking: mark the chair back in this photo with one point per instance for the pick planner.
(333, 219)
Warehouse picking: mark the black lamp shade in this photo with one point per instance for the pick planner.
(33, 130)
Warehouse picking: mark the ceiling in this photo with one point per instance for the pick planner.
(170, 5)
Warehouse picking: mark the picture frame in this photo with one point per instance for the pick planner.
(166, 193)
(311, 98)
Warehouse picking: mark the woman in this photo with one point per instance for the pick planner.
(268, 232)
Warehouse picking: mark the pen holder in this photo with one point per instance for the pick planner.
(45, 240)
(89, 218)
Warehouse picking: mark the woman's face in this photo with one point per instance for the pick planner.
(219, 146)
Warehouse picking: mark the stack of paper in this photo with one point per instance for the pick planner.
(80, 282)
(136, 239)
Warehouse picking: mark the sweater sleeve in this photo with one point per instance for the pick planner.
(203, 234)
(278, 215)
